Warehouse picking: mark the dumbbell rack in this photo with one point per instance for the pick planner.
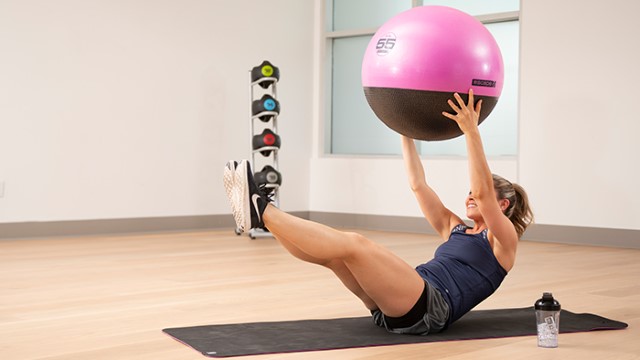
(268, 86)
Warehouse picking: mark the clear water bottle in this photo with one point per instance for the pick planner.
(548, 320)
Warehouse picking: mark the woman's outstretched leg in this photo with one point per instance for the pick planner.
(247, 217)
(390, 282)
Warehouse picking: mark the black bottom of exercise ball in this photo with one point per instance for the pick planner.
(418, 113)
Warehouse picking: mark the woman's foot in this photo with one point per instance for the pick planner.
(248, 201)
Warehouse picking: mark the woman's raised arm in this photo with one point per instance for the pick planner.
(440, 218)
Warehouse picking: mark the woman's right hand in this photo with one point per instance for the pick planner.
(466, 116)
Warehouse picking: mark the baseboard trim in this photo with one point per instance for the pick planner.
(589, 236)
(111, 226)
(374, 222)
(578, 235)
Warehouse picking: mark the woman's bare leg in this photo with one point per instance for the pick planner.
(389, 282)
(380, 278)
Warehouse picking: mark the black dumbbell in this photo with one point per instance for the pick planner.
(265, 108)
(269, 177)
(265, 74)
(267, 141)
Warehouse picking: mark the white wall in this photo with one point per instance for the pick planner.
(578, 111)
(578, 127)
(124, 109)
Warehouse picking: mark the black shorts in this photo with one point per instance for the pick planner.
(429, 315)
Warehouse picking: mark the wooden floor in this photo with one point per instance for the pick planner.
(110, 297)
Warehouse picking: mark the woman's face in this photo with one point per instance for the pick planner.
(473, 212)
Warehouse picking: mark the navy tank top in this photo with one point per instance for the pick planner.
(464, 270)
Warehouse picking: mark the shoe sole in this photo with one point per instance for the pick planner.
(229, 179)
(241, 183)
(232, 190)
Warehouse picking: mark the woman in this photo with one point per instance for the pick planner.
(467, 268)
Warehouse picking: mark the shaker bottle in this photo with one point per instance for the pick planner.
(548, 320)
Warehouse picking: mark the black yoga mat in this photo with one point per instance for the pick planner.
(311, 335)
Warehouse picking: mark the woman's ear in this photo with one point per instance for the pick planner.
(504, 204)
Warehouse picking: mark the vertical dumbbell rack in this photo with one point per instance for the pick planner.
(265, 109)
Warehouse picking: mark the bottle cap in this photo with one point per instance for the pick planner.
(547, 303)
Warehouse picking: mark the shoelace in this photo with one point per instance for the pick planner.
(266, 193)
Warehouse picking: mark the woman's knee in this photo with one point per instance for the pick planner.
(357, 238)
(358, 243)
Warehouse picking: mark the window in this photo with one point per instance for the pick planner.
(353, 128)
(364, 14)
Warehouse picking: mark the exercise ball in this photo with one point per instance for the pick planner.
(418, 59)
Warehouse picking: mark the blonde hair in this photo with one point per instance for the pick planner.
(518, 211)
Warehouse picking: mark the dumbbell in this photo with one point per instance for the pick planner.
(269, 177)
(265, 73)
(265, 108)
(266, 142)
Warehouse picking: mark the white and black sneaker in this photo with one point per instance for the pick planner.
(248, 201)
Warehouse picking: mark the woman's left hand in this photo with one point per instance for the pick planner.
(466, 116)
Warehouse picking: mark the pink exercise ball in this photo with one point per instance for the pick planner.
(418, 59)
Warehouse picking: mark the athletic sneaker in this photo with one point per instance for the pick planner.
(248, 201)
